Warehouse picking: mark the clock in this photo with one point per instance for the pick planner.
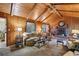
(61, 23)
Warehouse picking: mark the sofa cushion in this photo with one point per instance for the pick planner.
(69, 53)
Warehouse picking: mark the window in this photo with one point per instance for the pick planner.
(45, 28)
(30, 27)
(75, 31)
(3, 28)
(3, 25)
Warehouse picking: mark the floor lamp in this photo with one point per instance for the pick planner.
(19, 29)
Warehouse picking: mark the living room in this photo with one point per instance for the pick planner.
(30, 22)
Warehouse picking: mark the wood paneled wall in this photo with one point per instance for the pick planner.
(38, 26)
(13, 22)
(73, 23)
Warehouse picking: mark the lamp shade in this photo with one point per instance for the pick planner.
(19, 29)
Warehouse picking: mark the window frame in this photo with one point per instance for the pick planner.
(30, 22)
(45, 29)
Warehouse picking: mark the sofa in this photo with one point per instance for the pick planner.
(31, 39)
(71, 43)
(70, 53)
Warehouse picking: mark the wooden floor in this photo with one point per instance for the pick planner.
(51, 50)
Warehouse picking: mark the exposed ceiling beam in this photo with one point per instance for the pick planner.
(68, 11)
(71, 16)
(11, 8)
(31, 10)
(47, 17)
(54, 10)
(41, 14)
(65, 3)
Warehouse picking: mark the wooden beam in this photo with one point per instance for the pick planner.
(31, 11)
(65, 3)
(68, 11)
(41, 14)
(47, 17)
(54, 10)
(11, 9)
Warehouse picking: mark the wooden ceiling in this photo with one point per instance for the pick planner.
(69, 10)
(32, 11)
(5, 7)
(40, 11)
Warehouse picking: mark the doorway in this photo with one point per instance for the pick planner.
(3, 32)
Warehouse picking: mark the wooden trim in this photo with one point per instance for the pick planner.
(3, 15)
(45, 23)
(7, 32)
(30, 20)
